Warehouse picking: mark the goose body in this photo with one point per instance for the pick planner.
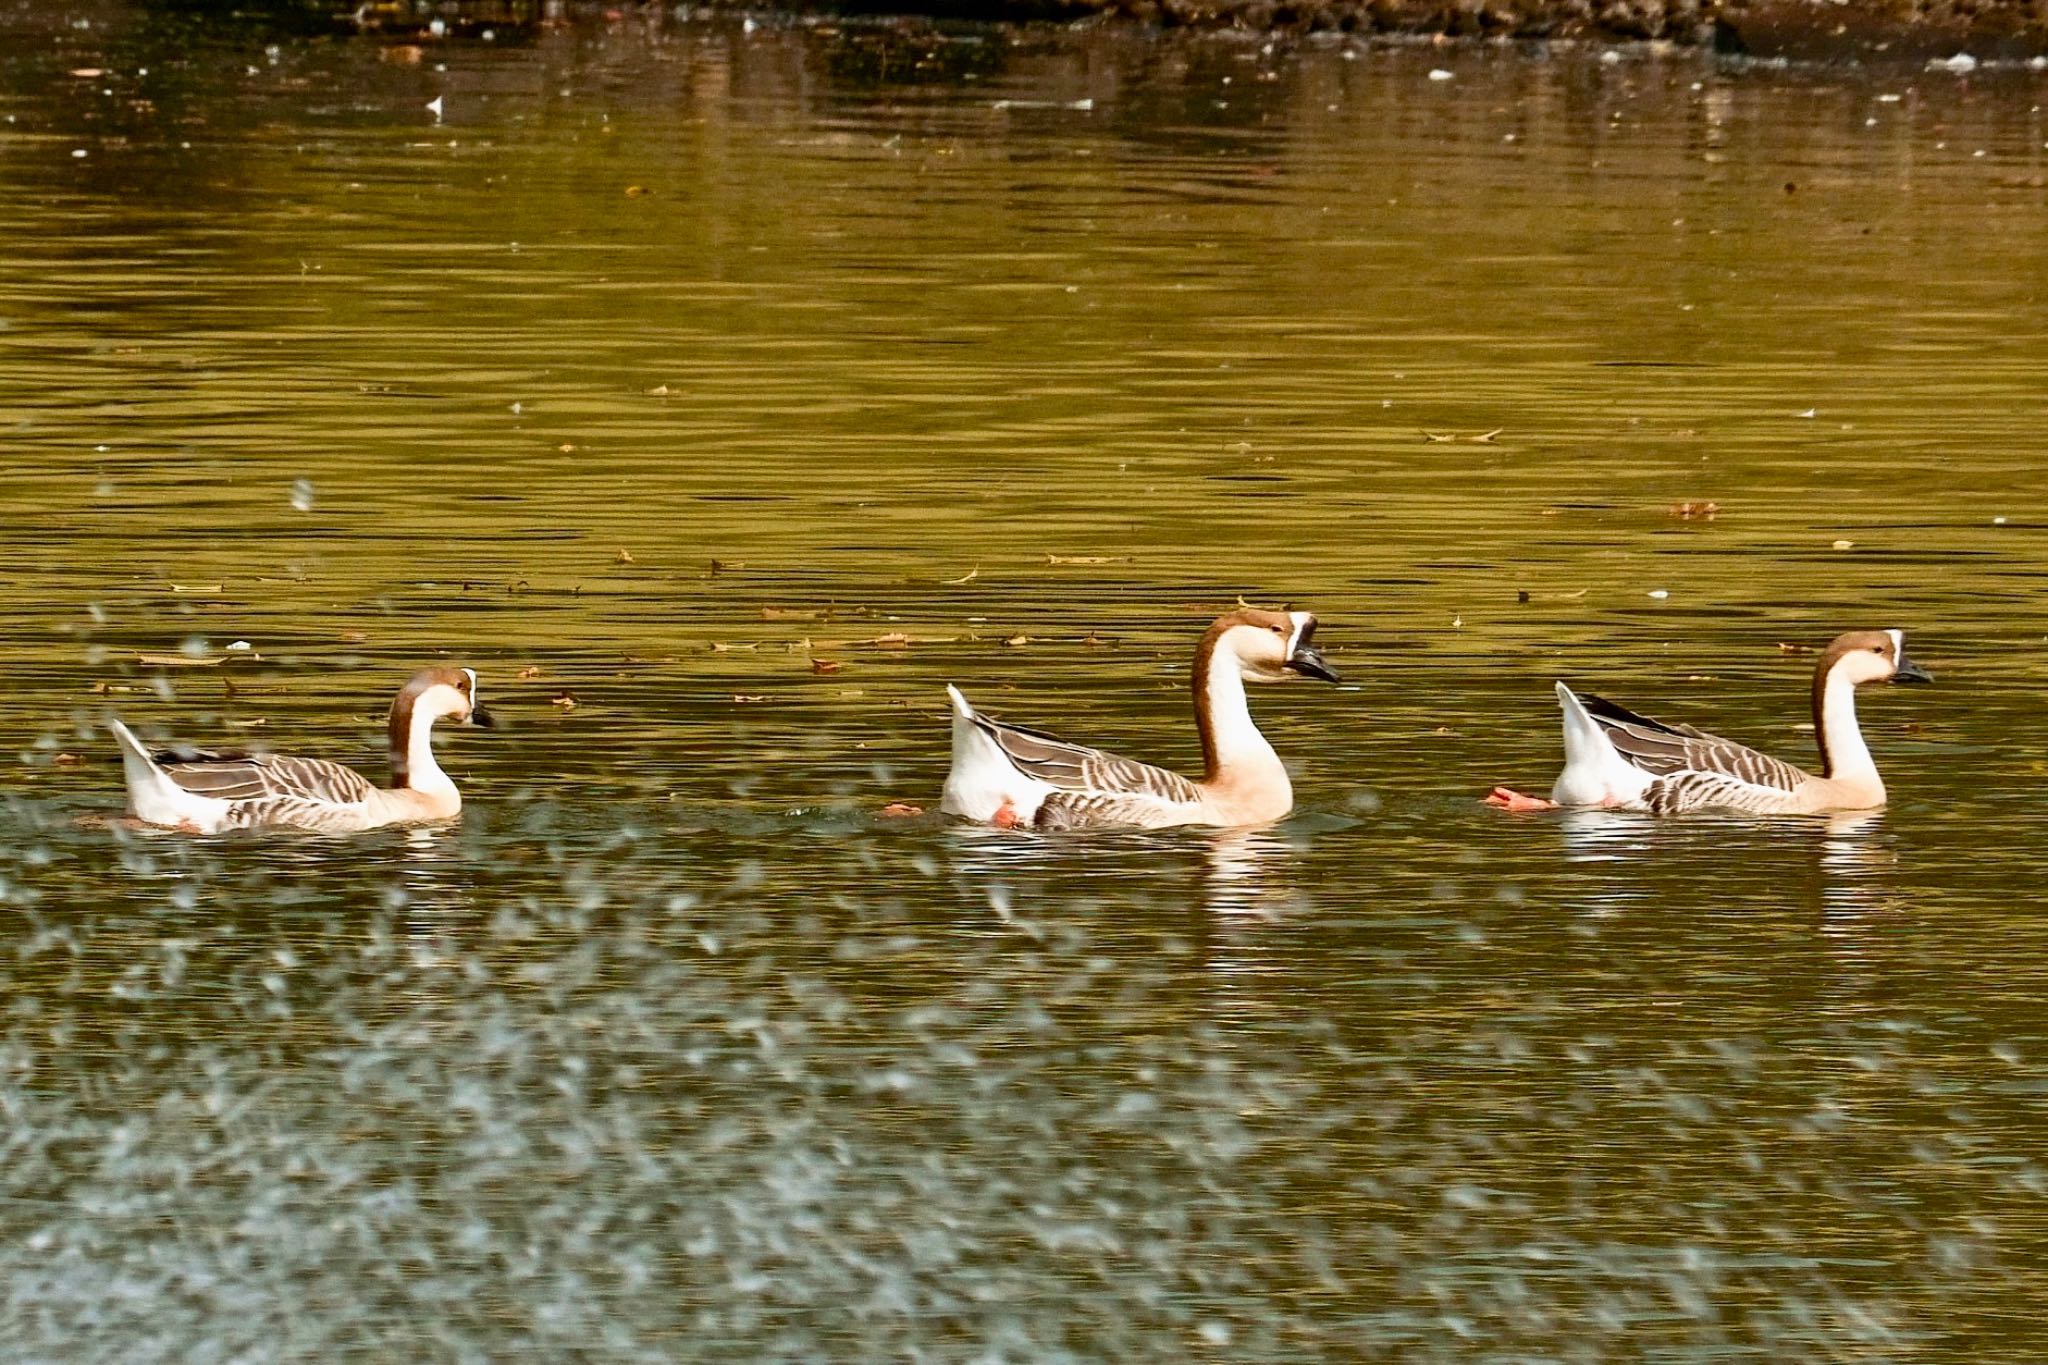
(207, 792)
(1010, 775)
(1615, 757)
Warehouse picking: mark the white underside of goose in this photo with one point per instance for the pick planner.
(984, 782)
(1595, 773)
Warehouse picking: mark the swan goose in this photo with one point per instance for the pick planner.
(1614, 757)
(1008, 775)
(206, 792)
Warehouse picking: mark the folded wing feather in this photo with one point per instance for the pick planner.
(1670, 750)
(1076, 768)
(252, 777)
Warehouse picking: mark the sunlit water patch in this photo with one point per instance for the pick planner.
(721, 393)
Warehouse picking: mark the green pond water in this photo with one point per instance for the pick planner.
(719, 394)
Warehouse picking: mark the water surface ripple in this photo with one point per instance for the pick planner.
(719, 394)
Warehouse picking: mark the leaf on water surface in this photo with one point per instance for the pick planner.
(567, 701)
(1844, 545)
(1485, 438)
(661, 391)
(530, 671)
(1018, 640)
(968, 577)
(1787, 647)
(567, 447)
(1087, 559)
(791, 614)
(637, 191)
(195, 587)
(895, 639)
(626, 557)
(826, 665)
(1435, 438)
(180, 660)
(88, 73)
(747, 698)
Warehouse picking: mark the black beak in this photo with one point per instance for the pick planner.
(1906, 671)
(482, 719)
(1307, 660)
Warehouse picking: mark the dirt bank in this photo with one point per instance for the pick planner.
(1800, 29)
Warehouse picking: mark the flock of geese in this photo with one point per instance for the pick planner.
(1014, 777)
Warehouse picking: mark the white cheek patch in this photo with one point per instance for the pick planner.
(1898, 644)
(470, 673)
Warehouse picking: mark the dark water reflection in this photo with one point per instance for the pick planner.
(677, 364)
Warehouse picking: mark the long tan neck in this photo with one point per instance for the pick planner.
(411, 734)
(1844, 757)
(1234, 753)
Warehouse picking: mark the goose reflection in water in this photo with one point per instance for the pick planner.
(1850, 859)
(1252, 872)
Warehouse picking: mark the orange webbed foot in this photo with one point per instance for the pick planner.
(1006, 817)
(1507, 798)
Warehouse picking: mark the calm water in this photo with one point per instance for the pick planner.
(675, 364)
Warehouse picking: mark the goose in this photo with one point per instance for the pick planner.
(1010, 776)
(206, 792)
(1614, 757)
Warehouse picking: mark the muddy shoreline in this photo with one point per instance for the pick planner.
(1800, 30)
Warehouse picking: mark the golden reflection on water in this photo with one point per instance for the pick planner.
(719, 398)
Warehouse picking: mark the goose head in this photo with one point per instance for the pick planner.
(442, 694)
(1870, 656)
(1268, 646)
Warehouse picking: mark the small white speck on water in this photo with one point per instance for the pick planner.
(302, 495)
(1998, 521)
(1659, 593)
(1440, 75)
(78, 153)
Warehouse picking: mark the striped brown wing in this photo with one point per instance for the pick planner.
(1668, 750)
(1076, 768)
(1087, 810)
(251, 777)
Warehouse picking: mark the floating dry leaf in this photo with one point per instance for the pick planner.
(1689, 510)
(181, 660)
(567, 701)
(1087, 559)
(747, 698)
(895, 639)
(790, 614)
(530, 671)
(1845, 545)
(1018, 640)
(637, 191)
(1485, 438)
(826, 665)
(658, 391)
(195, 587)
(968, 577)
(626, 557)
(1439, 438)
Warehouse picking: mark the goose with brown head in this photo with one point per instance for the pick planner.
(1615, 757)
(208, 792)
(1010, 775)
